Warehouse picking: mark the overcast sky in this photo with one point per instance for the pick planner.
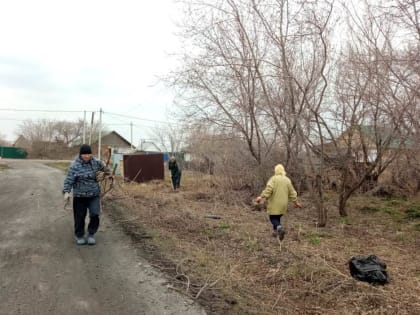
(85, 55)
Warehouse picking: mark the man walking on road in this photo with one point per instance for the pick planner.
(83, 178)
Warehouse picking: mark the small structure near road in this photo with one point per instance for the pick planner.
(143, 167)
(12, 153)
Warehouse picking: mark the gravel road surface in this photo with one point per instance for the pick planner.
(43, 271)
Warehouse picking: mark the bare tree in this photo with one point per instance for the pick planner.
(40, 130)
(258, 70)
(372, 106)
(170, 137)
(406, 14)
(219, 81)
(299, 34)
(261, 71)
(60, 131)
(406, 71)
(69, 132)
(3, 141)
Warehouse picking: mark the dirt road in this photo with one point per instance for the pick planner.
(42, 271)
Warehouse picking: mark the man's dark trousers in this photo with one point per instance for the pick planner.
(80, 207)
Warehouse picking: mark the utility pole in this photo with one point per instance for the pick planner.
(84, 127)
(131, 139)
(91, 127)
(100, 134)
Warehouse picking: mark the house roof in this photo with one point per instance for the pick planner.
(149, 146)
(384, 134)
(370, 135)
(128, 143)
(19, 138)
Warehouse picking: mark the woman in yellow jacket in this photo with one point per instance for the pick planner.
(278, 192)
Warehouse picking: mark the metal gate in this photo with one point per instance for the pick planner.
(12, 153)
(143, 167)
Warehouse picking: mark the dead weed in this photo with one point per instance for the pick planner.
(4, 167)
(216, 249)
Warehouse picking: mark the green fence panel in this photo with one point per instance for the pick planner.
(12, 153)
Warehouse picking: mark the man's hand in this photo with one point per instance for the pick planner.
(100, 176)
(66, 200)
(297, 204)
(258, 199)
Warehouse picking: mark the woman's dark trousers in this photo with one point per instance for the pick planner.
(275, 220)
(176, 180)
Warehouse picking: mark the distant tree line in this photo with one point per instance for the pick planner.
(51, 130)
(49, 138)
(3, 140)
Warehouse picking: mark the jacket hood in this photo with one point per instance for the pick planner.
(279, 170)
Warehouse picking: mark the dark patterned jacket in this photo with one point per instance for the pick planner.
(81, 177)
(173, 167)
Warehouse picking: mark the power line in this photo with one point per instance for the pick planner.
(116, 115)
(14, 119)
(126, 124)
(82, 111)
(138, 118)
(43, 110)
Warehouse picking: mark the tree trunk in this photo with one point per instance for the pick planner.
(322, 211)
(342, 204)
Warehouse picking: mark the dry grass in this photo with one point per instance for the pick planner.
(3, 166)
(60, 165)
(233, 265)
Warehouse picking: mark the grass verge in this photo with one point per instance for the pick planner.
(214, 248)
(3, 167)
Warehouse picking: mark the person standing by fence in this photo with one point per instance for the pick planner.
(175, 172)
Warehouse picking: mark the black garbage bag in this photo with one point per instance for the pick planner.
(369, 269)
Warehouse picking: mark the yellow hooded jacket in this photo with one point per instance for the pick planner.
(278, 191)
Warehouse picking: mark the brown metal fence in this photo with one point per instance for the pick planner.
(143, 167)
